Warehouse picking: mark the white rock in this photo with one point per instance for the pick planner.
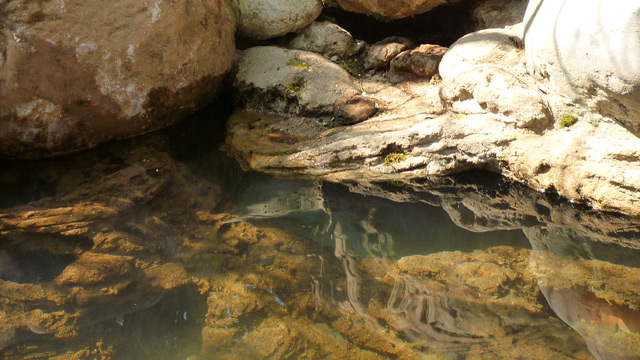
(264, 19)
(492, 46)
(590, 51)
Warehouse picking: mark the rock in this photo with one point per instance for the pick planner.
(498, 118)
(327, 39)
(490, 14)
(354, 110)
(77, 74)
(497, 47)
(381, 53)
(487, 88)
(422, 61)
(265, 19)
(291, 81)
(394, 10)
(589, 52)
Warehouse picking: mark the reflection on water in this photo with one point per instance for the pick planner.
(161, 248)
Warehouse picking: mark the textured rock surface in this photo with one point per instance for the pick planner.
(77, 73)
(490, 89)
(390, 9)
(380, 54)
(489, 114)
(292, 81)
(422, 61)
(264, 19)
(326, 38)
(589, 51)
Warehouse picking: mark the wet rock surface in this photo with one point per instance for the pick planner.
(77, 74)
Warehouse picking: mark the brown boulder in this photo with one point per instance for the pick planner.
(77, 73)
(390, 9)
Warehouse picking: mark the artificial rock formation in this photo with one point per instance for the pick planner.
(74, 74)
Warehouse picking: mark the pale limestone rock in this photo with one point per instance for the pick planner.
(487, 88)
(264, 19)
(589, 50)
(499, 47)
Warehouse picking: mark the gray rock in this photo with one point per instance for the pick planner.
(292, 81)
(76, 75)
(265, 19)
(327, 39)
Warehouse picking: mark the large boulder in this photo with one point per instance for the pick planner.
(77, 73)
(264, 19)
(589, 50)
(390, 9)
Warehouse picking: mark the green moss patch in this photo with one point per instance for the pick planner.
(352, 66)
(299, 64)
(568, 120)
(394, 158)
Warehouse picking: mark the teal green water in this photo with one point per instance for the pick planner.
(195, 258)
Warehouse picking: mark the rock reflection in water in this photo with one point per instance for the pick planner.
(131, 254)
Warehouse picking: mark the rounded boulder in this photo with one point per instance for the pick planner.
(265, 19)
(74, 74)
(589, 50)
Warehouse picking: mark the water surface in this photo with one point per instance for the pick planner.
(161, 247)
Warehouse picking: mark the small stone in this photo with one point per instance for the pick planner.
(422, 61)
(354, 110)
(382, 52)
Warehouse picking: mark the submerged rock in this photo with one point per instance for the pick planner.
(73, 75)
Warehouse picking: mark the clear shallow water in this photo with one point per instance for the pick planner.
(162, 248)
